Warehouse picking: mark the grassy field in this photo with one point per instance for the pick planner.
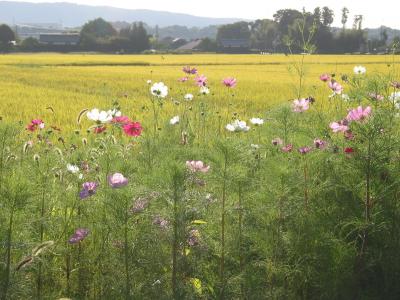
(70, 83)
(301, 204)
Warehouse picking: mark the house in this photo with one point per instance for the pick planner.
(191, 46)
(234, 45)
(59, 39)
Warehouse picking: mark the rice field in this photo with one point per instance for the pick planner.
(270, 177)
(69, 83)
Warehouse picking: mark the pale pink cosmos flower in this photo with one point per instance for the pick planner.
(183, 79)
(117, 180)
(335, 86)
(300, 105)
(197, 166)
(359, 114)
(201, 80)
(341, 126)
(121, 120)
(304, 150)
(230, 82)
(320, 144)
(287, 148)
(277, 141)
(324, 77)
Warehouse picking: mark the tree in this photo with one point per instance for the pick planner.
(327, 16)
(6, 36)
(30, 44)
(239, 30)
(317, 15)
(137, 36)
(358, 22)
(345, 13)
(95, 33)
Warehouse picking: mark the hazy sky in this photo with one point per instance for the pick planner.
(375, 12)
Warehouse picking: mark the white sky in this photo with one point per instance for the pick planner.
(375, 12)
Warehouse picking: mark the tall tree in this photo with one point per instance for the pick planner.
(327, 16)
(345, 16)
(6, 34)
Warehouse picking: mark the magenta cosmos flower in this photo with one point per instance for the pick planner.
(35, 124)
(121, 120)
(88, 189)
(358, 114)
(300, 105)
(133, 129)
(230, 82)
(117, 180)
(197, 166)
(325, 77)
(341, 126)
(201, 80)
(78, 236)
(335, 86)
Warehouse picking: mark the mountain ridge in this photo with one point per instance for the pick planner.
(75, 15)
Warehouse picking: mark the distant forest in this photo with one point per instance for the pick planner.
(288, 31)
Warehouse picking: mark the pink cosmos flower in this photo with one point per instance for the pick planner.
(348, 135)
(320, 144)
(277, 141)
(197, 166)
(395, 84)
(287, 148)
(88, 189)
(300, 105)
(325, 77)
(359, 114)
(133, 129)
(341, 126)
(230, 82)
(335, 86)
(117, 180)
(99, 129)
(35, 124)
(201, 80)
(183, 79)
(121, 120)
(79, 235)
(189, 70)
(376, 96)
(304, 150)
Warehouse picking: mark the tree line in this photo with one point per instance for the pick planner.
(287, 31)
(290, 29)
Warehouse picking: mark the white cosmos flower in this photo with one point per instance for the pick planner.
(345, 97)
(237, 126)
(72, 168)
(188, 97)
(255, 146)
(256, 121)
(114, 113)
(395, 96)
(99, 116)
(159, 89)
(149, 81)
(359, 70)
(174, 120)
(204, 90)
